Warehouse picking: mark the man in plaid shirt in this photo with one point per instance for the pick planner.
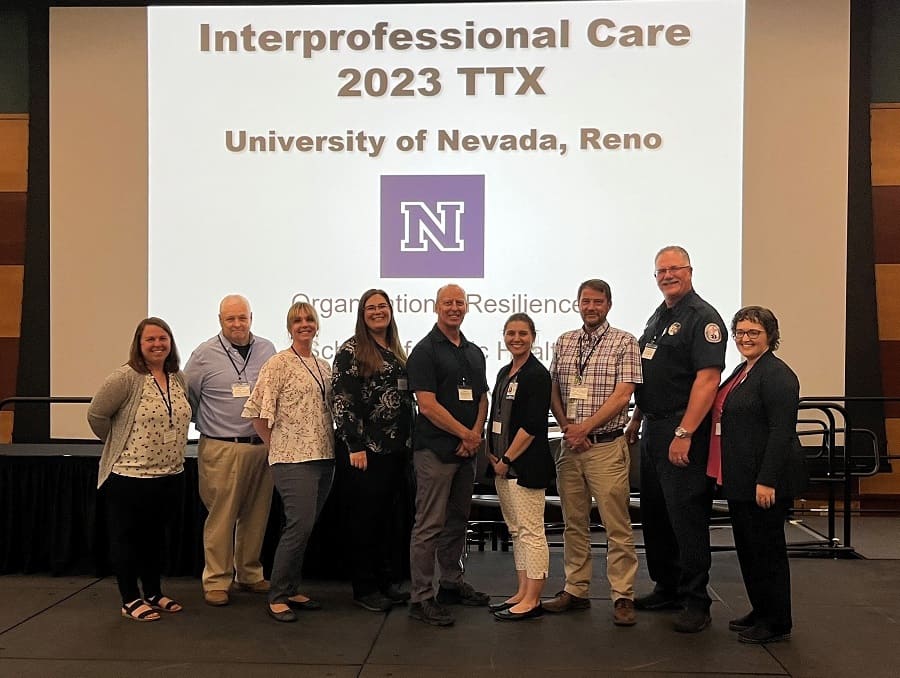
(594, 371)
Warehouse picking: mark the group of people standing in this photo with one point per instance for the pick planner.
(285, 418)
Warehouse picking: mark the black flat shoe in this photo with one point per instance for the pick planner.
(306, 605)
(499, 607)
(286, 616)
(509, 615)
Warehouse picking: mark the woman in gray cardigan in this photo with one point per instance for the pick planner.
(141, 413)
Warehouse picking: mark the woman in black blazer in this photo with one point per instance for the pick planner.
(520, 455)
(755, 455)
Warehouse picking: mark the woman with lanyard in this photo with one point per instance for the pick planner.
(519, 453)
(291, 411)
(141, 413)
(755, 455)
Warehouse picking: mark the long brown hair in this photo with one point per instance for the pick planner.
(136, 358)
(368, 355)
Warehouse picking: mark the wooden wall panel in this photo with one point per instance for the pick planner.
(14, 158)
(887, 286)
(12, 228)
(6, 422)
(886, 223)
(886, 483)
(11, 300)
(886, 146)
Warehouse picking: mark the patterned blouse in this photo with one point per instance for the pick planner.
(149, 452)
(293, 395)
(374, 413)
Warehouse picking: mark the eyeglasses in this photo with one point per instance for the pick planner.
(753, 334)
(376, 307)
(671, 269)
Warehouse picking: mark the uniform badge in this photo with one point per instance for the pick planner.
(673, 329)
(712, 333)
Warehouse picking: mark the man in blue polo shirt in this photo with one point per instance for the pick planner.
(235, 484)
(447, 373)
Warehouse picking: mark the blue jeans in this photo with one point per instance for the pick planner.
(303, 488)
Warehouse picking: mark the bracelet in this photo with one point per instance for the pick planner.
(506, 460)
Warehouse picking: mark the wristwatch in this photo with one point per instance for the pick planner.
(681, 432)
(506, 460)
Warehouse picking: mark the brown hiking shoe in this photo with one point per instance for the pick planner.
(564, 601)
(623, 612)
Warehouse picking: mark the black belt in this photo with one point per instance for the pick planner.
(607, 437)
(246, 440)
(650, 416)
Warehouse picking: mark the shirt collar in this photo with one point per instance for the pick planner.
(598, 331)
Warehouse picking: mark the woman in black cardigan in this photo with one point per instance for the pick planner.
(757, 459)
(523, 466)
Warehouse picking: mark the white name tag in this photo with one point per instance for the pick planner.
(579, 393)
(718, 428)
(572, 409)
(240, 390)
(649, 351)
(511, 390)
(465, 393)
(169, 436)
(497, 427)
(402, 384)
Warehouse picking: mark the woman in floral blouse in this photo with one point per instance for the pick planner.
(291, 411)
(373, 412)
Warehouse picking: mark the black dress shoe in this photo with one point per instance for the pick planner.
(304, 605)
(285, 616)
(395, 594)
(658, 600)
(692, 620)
(499, 607)
(742, 623)
(761, 634)
(509, 615)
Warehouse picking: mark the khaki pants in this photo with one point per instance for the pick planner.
(601, 472)
(236, 488)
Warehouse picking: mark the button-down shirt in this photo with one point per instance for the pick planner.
(212, 370)
(598, 360)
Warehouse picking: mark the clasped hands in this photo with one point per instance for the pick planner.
(576, 437)
(469, 444)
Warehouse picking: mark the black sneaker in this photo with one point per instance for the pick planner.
(463, 594)
(742, 623)
(395, 595)
(761, 634)
(692, 620)
(374, 602)
(657, 600)
(431, 612)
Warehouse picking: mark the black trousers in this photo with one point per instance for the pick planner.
(370, 514)
(138, 511)
(762, 553)
(675, 508)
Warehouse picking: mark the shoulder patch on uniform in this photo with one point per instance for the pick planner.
(673, 329)
(712, 333)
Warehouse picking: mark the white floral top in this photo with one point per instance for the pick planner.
(293, 395)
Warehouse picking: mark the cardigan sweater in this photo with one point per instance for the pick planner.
(113, 410)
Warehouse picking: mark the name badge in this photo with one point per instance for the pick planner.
(402, 384)
(572, 409)
(497, 427)
(169, 436)
(649, 351)
(240, 389)
(718, 428)
(465, 393)
(578, 393)
(511, 390)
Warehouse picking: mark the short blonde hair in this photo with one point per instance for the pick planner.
(298, 310)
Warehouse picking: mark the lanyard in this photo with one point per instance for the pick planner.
(582, 364)
(240, 372)
(166, 401)
(320, 384)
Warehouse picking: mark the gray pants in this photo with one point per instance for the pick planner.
(443, 499)
(303, 488)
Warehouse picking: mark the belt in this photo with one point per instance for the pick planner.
(607, 437)
(662, 415)
(246, 440)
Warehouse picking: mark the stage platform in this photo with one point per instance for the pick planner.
(845, 612)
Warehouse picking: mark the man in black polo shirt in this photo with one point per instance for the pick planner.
(682, 356)
(447, 373)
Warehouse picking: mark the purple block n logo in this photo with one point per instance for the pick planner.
(432, 226)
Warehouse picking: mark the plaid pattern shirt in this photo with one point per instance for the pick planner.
(608, 356)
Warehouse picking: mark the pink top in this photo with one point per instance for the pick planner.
(714, 463)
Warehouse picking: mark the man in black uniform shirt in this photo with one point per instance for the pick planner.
(682, 356)
(447, 373)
